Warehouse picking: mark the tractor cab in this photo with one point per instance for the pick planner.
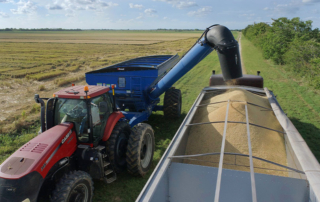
(88, 108)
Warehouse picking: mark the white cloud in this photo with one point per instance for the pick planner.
(179, 4)
(310, 1)
(71, 6)
(4, 15)
(150, 12)
(201, 11)
(85, 2)
(286, 9)
(24, 8)
(105, 4)
(70, 15)
(138, 6)
(54, 7)
(165, 18)
(183, 4)
(6, 1)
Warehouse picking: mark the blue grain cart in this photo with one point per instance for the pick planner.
(131, 79)
(139, 82)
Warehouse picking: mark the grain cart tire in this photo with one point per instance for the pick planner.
(172, 103)
(140, 149)
(117, 146)
(76, 186)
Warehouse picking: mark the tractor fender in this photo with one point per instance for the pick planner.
(112, 121)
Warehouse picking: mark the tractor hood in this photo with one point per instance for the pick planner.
(40, 153)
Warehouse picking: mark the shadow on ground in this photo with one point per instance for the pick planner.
(310, 133)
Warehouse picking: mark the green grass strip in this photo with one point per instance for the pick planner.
(300, 102)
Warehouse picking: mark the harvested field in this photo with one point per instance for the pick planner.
(43, 76)
(101, 37)
(265, 143)
(26, 66)
(24, 72)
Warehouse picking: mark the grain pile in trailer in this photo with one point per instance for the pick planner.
(265, 143)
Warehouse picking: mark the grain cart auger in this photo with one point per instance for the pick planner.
(89, 133)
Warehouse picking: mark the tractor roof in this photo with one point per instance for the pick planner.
(77, 92)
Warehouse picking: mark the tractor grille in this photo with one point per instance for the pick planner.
(39, 148)
(28, 147)
(34, 147)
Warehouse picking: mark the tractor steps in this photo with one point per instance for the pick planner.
(105, 164)
(108, 172)
(111, 179)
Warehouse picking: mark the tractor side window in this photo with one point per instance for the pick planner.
(109, 102)
(100, 112)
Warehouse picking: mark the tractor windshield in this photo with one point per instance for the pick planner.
(72, 110)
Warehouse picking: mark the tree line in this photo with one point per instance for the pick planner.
(38, 29)
(289, 42)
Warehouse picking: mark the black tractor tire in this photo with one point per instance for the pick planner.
(140, 149)
(117, 146)
(172, 103)
(75, 186)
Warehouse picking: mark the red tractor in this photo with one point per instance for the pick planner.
(83, 137)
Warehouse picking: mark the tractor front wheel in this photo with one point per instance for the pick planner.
(140, 149)
(76, 186)
(117, 146)
(172, 103)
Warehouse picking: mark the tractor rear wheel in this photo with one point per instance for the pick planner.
(117, 146)
(76, 186)
(140, 149)
(172, 103)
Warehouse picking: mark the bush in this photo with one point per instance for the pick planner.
(41, 88)
(291, 42)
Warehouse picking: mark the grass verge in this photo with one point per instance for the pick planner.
(297, 99)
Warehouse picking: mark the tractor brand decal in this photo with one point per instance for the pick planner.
(70, 140)
(55, 151)
(66, 137)
(50, 157)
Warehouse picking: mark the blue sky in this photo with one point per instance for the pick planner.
(151, 14)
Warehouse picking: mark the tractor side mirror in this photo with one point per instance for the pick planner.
(103, 107)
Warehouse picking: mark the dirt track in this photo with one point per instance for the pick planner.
(244, 71)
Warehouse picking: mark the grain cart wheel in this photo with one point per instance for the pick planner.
(76, 186)
(172, 103)
(140, 149)
(117, 146)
